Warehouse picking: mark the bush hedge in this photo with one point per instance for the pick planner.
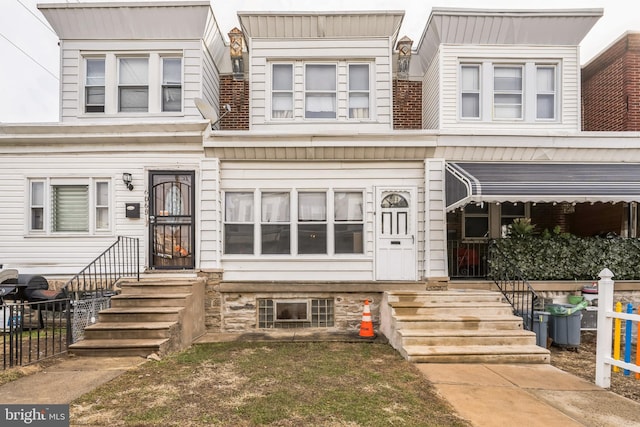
(565, 257)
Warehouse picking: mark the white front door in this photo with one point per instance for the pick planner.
(395, 234)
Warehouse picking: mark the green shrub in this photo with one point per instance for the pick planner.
(562, 256)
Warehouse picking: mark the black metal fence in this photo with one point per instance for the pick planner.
(34, 331)
(467, 260)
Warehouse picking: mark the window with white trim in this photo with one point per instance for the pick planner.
(320, 87)
(358, 91)
(133, 85)
(275, 227)
(470, 91)
(501, 91)
(507, 92)
(171, 84)
(312, 223)
(61, 205)
(545, 92)
(94, 86)
(324, 222)
(282, 91)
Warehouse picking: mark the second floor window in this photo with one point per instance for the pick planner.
(133, 85)
(94, 85)
(358, 91)
(470, 91)
(320, 91)
(171, 84)
(507, 92)
(282, 91)
(546, 92)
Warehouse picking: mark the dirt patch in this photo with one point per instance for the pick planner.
(581, 362)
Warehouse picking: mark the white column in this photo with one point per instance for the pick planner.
(605, 323)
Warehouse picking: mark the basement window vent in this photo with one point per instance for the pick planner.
(284, 314)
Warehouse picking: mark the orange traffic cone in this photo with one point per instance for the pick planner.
(366, 326)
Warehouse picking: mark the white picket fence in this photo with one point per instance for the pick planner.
(606, 316)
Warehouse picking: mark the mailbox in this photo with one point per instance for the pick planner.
(132, 210)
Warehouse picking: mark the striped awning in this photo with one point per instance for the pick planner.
(541, 182)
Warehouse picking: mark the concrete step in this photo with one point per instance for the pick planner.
(149, 300)
(442, 296)
(156, 287)
(458, 322)
(456, 309)
(451, 337)
(128, 330)
(477, 354)
(140, 314)
(119, 347)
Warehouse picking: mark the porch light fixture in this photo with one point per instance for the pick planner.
(404, 56)
(127, 179)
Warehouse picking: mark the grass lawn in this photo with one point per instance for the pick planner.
(278, 384)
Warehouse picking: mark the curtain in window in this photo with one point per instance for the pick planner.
(359, 105)
(348, 206)
(312, 207)
(282, 106)
(275, 207)
(70, 208)
(239, 207)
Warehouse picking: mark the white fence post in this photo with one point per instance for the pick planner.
(605, 324)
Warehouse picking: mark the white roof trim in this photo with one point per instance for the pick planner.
(561, 27)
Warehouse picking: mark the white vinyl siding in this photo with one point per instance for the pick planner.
(431, 95)
(567, 88)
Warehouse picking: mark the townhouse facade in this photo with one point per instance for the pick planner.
(314, 161)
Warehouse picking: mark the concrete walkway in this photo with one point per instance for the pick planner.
(528, 395)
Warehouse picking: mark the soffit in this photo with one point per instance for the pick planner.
(562, 27)
(301, 25)
(129, 21)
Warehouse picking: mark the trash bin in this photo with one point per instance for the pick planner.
(541, 327)
(565, 324)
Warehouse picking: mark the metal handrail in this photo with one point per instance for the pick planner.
(121, 259)
(517, 291)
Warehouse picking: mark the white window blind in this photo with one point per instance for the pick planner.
(70, 208)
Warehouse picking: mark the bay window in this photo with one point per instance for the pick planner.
(320, 91)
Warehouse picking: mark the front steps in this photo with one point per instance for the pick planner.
(151, 316)
(457, 327)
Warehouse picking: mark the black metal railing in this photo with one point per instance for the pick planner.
(122, 259)
(517, 291)
(467, 260)
(34, 331)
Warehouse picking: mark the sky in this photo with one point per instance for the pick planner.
(29, 68)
